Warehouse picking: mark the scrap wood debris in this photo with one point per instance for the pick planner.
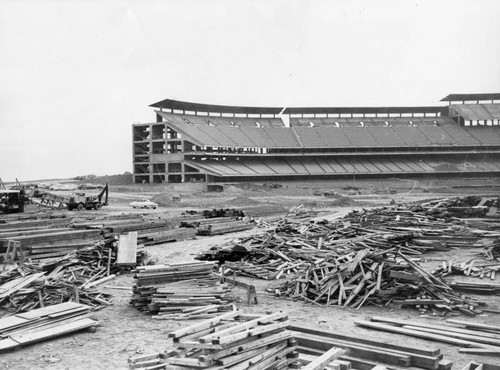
(235, 340)
(44, 323)
(472, 338)
(229, 341)
(468, 268)
(365, 352)
(374, 279)
(182, 291)
(74, 277)
(358, 259)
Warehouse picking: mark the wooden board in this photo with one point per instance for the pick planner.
(127, 249)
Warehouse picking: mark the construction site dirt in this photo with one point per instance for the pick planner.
(125, 331)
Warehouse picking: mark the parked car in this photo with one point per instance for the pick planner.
(144, 204)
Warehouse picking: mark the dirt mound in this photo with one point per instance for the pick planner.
(342, 201)
(164, 200)
(242, 201)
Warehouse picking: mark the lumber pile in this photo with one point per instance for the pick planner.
(44, 323)
(182, 291)
(224, 228)
(74, 277)
(231, 341)
(46, 244)
(364, 278)
(184, 300)
(363, 352)
(469, 268)
(365, 257)
(472, 338)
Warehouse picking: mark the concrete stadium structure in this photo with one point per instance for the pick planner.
(192, 142)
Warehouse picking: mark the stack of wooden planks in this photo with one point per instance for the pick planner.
(172, 272)
(232, 341)
(473, 338)
(45, 244)
(224, 228)
(184, 290)
(183, 300)
(44, 323)
(363, 352)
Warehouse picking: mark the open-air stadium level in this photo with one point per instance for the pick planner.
(192, 142)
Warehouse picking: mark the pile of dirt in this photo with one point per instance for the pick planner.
(242, 201)
(342, 201)
(164, 200)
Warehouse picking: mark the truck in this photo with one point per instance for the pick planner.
(80, 200)
(12, 201)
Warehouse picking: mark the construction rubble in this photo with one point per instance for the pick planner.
(368, 256)
(54, 266)
(182, 291)
(236, 340)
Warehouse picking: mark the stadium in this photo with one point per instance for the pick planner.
(191, 142)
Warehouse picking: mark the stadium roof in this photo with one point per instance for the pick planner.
(362, 110)
(467, 97)
(196, 107)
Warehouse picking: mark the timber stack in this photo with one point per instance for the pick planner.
(363, 352)
(472, 338)
(44, 323)
(231, 341)
(185, 290)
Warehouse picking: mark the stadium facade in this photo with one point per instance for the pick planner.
(192, 142)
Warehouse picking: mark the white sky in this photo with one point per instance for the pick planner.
(75, 75)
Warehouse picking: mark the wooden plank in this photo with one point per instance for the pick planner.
(364, 340)
(323, 360)
(202, 326)
(244, 326)
(127, 249)
(474, 338)
(419, 334)
(49, 310)
(69, 327)
(474, 325)
(367, 352)
(243, 347)
(249, 333)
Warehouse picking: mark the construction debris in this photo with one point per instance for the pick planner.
(232, 340)
(74, 277)
(185, 290)
(365, 352)
(44, 323)
(473, 338)
(365, 257)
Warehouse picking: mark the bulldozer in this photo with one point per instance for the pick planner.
(12, 200)
(80, 200)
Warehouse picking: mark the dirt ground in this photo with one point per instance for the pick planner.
(125, 331)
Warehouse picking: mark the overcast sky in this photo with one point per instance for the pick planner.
(75, 75)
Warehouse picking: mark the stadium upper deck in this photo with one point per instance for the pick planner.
(189, 142)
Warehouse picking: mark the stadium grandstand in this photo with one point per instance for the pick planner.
(191, 142)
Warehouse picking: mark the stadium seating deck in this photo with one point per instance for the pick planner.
(477, 112)
(423, 133)
(341, 166)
